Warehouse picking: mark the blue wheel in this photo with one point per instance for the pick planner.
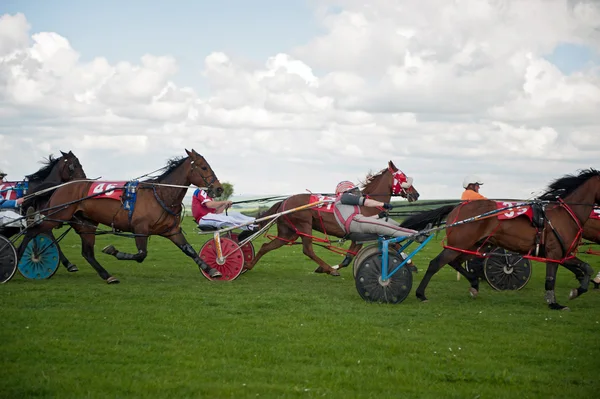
(40, 258)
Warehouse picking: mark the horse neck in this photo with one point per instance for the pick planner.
(174, 195)
(53, 177)
(582, 200)
(380, 188)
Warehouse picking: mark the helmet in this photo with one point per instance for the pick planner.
(2, 174)
(472, 179)
(344, 186)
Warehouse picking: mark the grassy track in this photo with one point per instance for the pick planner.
(283, 331)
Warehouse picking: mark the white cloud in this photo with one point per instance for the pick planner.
(443, 89)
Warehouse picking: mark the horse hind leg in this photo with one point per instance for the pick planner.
(88, 240)
(445, 257)
(141, 243)
(264, 249)
(457, 264)
(307, 249)
(583, 273)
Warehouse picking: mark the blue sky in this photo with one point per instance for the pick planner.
(191, 29)
(186, 29)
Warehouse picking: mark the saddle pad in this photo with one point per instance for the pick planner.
(514, 212)
(113, 189)
(328, 207)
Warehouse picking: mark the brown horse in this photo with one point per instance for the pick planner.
(380, 186)
(156, 210)
(56, 171)
(591, 232)
(566, 206)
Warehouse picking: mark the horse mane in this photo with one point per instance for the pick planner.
(172, 164)
(45, 171)
(563, 186)
(371, 178)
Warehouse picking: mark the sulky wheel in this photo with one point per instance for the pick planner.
(363, 253)
(506, 270)
(231, 267)
(247, 249)
(40, 258)
(372, 288)
(475, 265)
(8, 260)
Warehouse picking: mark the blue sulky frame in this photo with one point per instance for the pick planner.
(381, 276)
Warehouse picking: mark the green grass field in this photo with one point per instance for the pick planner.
(283, 331)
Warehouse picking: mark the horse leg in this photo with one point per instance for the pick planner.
(583, 272)
(354, 248)
(268, 247)
(87, 234)
(596, 281)
(178, 239)
(307, 249)
(551, 269)
(457, 264)
(445, 257)
(141, 242)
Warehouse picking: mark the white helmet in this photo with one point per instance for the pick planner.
(472, 179)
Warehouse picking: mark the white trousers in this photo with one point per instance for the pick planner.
(220, 220)
(7, 216)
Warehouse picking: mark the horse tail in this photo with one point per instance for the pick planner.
(435, 216)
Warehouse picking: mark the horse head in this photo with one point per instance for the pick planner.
(402, 185)
(70, 167)
(201, 174)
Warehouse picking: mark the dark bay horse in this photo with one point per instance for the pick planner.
(568, 204)
(156, 210)
(381, 186)
(56, 171)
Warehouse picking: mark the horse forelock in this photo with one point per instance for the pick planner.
(44, 171)
(563, 186)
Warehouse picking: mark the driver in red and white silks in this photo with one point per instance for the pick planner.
(8, 216)
(347, 213)
(209, 212)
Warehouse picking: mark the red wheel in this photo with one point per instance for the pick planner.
(231, 267)
(247, 249)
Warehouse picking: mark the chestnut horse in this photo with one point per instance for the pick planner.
(380, 186)
(56, 171)
(567, 205)
(157, 211)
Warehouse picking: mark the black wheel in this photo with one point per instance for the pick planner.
(362, 254)
(8, 260)
(505, 270)
(40, 259)
(372, 288)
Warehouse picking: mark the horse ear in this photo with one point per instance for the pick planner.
(392, 166)
(70, 152)
(63, 154)
(187, 152)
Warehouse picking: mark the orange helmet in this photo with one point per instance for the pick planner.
(344, 186)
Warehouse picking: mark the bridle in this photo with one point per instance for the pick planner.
(208, 181)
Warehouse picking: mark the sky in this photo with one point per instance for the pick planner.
(287, 96)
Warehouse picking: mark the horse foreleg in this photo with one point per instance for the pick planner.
(307, 249)
(551, 269)
(583, 273)
(88, 240)
(445, 257)
(179, 240)
(141, 242)
(264, 249)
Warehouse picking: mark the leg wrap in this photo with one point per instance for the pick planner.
(549, 284)
(191, 252)
(346, 261)
(550, 297)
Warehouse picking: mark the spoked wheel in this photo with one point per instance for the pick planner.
(247, 249)
(40, 258)
(372, 288)
(231, 266)
(8, 260)
(506, 270)
(362, 254)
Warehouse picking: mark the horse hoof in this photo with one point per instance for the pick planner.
(110, 250)
(71, 268)
(112, 280)
(413, 269)
(334, 273)
(573, 294)
(319, 270)
(473, 292)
